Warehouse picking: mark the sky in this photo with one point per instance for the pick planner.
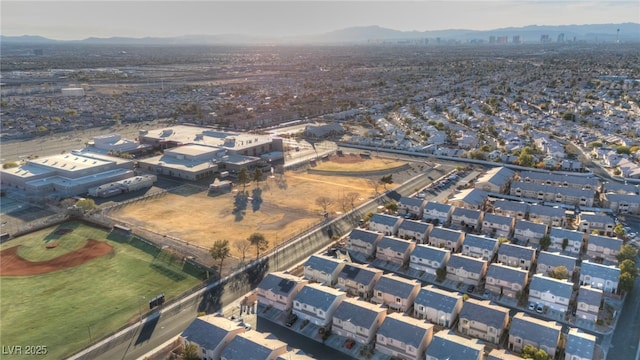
(80, 19)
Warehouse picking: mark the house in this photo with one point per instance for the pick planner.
(497, 225)
(512, 209)
(428, 258)
(560, 180)
(540, 334)
(496, 180)
(358, 320)
(323, 269)
(403, 337)
(480, 247)
(547, 261)
(411, 206)
(603, 277)
(295, 354)
(317, 303)
(622, 203)
(254, 345)
(580, 345)
(356, 279)
(211, 333)
(502, 354)
(469, 199)
(437, 213)
(467, 219)
(394, 250)
(550, 292)
(588, 302)
(603, 249)
(446, 238)
(529, 232)
(414, 230)
(550, 216)
(482, 320)
(516, 256)
(278, 289)
(505, 280)
(440, 307)
(564, 195)
(587, 222)
(396, 292)
(446, 345)
(572, 244)
(385, 224)
(363, 242)
(466, 269)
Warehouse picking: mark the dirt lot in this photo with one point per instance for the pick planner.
(282, 206)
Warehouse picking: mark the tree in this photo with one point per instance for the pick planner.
(257, 176)
(502, 240)
(242, 245)
(258, 240)
(353, 196)
(324, 202)
(619, 230)
(629, 266)
(565, 243)
(391, 206)
(545, 242)
(526, 160)
(559, 272)
(243, 178)
(441, 274)
(627, 252)
(86, 204)
(189, 352)
(9, 165)
(375, 184)
(626, 282)
(386, 180)
(220, 251)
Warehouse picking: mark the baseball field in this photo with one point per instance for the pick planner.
(67, 285)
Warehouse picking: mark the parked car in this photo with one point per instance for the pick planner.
(486, 294)
(471, 288)
(291, 319)
(532, 306)
(540, 308)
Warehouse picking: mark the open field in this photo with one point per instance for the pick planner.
(281, 207)
(81, 300)
(350, 163)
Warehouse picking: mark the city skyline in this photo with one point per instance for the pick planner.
(76, 20)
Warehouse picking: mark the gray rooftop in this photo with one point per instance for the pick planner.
(559, 178)
(430, 252)
(611, 273)
(596, 218)
(364, 235)
(484, 313)
(580, 344)
(542, 332)
(392, 284)
(555, 260)
(550, 189)
(359, 273)
(517, 251)
(481, 242)
(467, 263)
(445, 234)
(507, 205)
(497, 176)
(606, 242)
(318, 296)
(436, 206)
(549, 211)
(556, 287)
(624, 198)
(492, 218)
(358, 312)
(395, 244)
(448, 346)
(589, 295)
(441, 300)
(279, 283)
(507, 273)
(561, 233)
(474, 197)
(468, 213)
(410, 202)
(415, 226)
(249, 347)
(325, 264)
(395, 327)
(524, 225)
(384, 219)
(208, 334)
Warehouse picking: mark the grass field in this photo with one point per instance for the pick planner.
(372, 164)
(60, 309)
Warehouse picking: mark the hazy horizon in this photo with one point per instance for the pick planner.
(77, 20)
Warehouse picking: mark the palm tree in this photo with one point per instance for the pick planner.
(220, 251)
(190, 352)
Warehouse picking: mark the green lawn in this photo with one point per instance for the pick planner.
(62, 308)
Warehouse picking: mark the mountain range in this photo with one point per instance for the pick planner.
(624, 32)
